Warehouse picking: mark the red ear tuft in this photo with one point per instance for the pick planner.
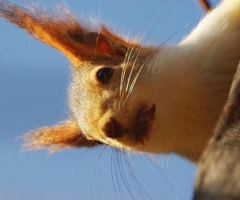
(66, 33)
(58, 137)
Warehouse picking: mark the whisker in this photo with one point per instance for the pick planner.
(134, 81)
(112, 156)
(116, 174)
(142, 192)
(132, 68)
(174, 34)
(99, 177)
(153, 66)
(84, 152)
(124, 177)
(160, 18)
(164, 176)
(148, 17)
(152, 188)
(124, 69)
(94, 170)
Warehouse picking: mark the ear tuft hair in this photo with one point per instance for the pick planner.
(65, 135)
(65, 32)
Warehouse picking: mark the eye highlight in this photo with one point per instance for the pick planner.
(104, 75)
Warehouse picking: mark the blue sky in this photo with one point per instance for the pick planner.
(33, 93)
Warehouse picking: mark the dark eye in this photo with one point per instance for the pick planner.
(104, 75)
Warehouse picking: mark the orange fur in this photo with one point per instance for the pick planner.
(78, 41)
(58, 137)
(191, 71)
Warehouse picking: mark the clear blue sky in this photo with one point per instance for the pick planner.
(33, 93)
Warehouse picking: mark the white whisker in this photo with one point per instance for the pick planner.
(130, 73)
(124, 69)
(134, 81)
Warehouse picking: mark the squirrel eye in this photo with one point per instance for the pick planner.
(104, 75)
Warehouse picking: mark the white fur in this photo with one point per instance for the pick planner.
(192, 81)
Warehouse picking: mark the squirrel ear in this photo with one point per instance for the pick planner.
(66, 33)
(65, 135)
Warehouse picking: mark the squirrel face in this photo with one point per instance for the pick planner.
(106, 103)
(151, 99)
(102, 78)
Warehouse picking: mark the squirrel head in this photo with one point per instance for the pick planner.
(105, 68)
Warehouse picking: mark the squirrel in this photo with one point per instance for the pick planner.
(129, 96)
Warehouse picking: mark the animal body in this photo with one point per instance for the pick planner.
(140, 98)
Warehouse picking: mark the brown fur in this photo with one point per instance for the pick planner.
(80, 43)
(58, 137)
(65, 32)
(88, 49)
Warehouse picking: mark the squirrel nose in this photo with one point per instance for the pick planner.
(112, 129)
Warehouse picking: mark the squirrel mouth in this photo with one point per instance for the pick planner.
(143, 123)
